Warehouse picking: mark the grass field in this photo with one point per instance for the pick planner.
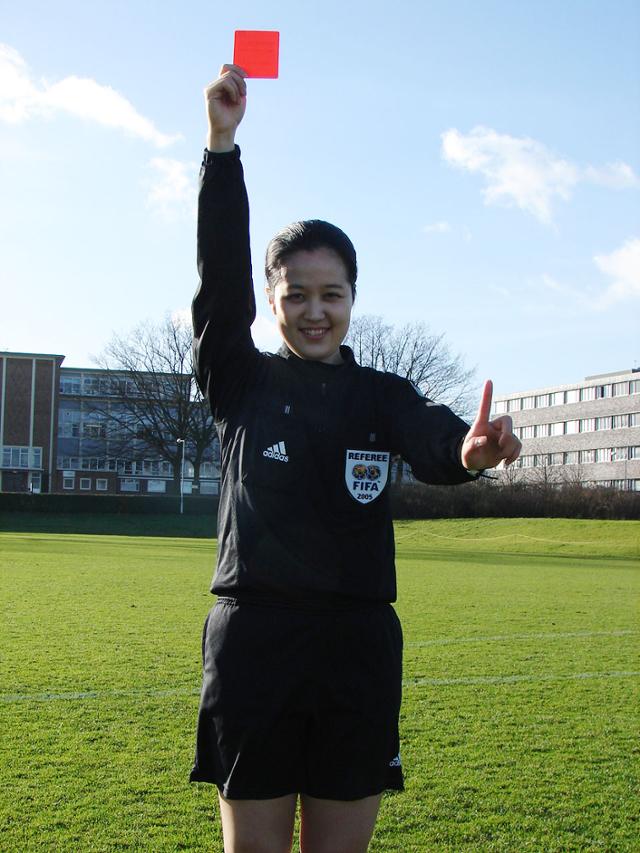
(520, 713)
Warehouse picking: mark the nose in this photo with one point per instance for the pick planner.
(314, 310)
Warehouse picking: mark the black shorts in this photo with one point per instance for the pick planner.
(300, 701)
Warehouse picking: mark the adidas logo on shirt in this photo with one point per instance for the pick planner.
(277, 451)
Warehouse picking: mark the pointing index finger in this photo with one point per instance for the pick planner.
(485, 403)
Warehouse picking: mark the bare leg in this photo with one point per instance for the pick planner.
(335, 826)
(258, 826)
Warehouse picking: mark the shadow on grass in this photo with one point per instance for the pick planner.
(113, 524)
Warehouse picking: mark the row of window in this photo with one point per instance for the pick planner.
(578, 425)
(579, 457)
(69, 482)
(21, 457)
(573, 395)
(144, 467)
(624, 485)
(130, 484)
(117, 386)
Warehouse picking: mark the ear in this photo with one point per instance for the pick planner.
(271, 298)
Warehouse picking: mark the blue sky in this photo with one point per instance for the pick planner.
(483, 157)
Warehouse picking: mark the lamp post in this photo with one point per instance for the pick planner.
(182, 442)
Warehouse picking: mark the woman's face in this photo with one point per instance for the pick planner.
(312, 303)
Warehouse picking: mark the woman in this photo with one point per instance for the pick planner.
(302, 651)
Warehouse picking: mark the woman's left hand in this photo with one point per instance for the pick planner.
(489, 442)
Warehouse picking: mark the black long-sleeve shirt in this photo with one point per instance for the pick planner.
(305, 446)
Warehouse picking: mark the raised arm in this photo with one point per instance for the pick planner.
(224, 305)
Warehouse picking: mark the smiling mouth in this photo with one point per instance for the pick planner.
(314, 334)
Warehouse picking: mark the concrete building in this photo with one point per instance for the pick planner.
(57, 435)
(588, 431)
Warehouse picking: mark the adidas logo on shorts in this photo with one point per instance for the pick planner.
(395, 762)
(276, 451)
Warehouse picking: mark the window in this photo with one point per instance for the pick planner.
(588, 393)
(603, 454)
(68, 482)
(208, 487)
(634, 452)
(557, 428)
(21, 457)
(528, 402)
(527, 461)
(603, 423)
(94, 430)
(556, 399)
(129, 485)
(542, 400)
(556, 459)
(572, 396)
(587, 425)
(91, 385)
(513, 405)
(634, 386)
(620, 389)
(603, 391)
(620, 421)
(102, 485)
(85, 483)
(35, 483)
(157, 486)
(620, 454)
(572, 427)
(587, 456)
(542, 430)
(571, 457)
(634, 419)
(500, 407)
(70, 385)
(527, 432)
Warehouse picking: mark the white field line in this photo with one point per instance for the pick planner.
(407, 682)
(514, 679)
(502, 638)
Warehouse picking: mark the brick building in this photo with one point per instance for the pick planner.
(57, 434)
(29, 389)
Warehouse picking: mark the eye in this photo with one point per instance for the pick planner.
(294, 297)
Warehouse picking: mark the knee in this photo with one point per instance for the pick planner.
(257, 845)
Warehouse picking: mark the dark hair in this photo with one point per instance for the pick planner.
(307, 236)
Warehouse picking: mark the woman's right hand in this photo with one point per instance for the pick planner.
(226, 100)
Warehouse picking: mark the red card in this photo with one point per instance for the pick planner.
(256, 51)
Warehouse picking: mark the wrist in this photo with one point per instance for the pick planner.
(220, 142)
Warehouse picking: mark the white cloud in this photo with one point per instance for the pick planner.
(437, 228)
(614, 176)
(173, 191)
(22, 99)
(623, 267)
(521, 171)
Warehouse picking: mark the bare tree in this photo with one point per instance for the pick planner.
(416, 353)
(151, 399)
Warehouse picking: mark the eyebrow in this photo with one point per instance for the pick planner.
(295, 286)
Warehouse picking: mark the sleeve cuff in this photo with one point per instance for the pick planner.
(210, 157)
